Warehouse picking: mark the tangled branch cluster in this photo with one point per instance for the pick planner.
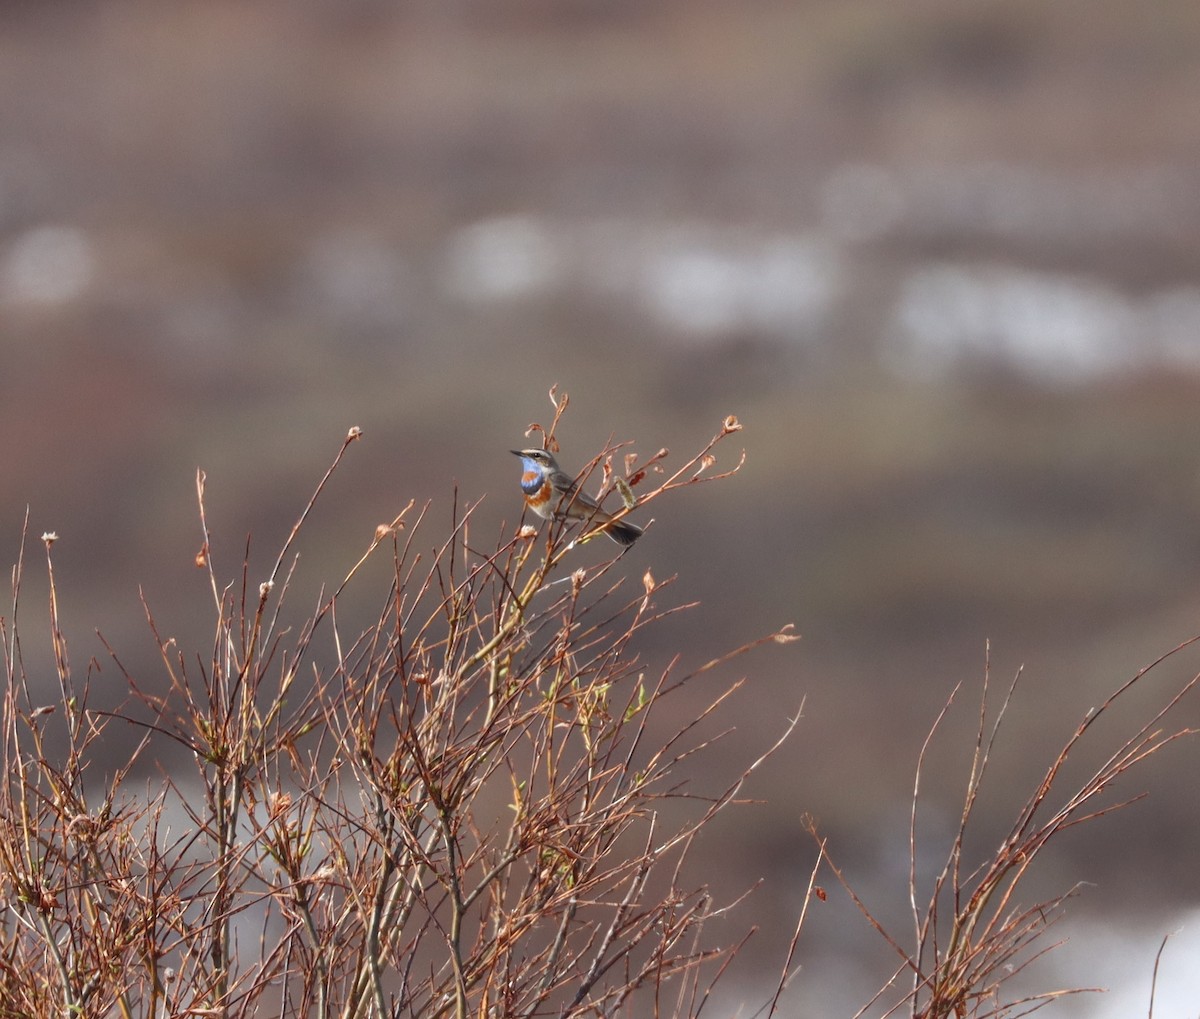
(458, 810)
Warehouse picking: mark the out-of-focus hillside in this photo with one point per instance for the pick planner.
(942, 259)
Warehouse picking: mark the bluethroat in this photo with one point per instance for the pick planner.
(551, 492)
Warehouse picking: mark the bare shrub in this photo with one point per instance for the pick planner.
(477, 805)
(972, 934)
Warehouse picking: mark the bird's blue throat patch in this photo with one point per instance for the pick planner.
(531, 481)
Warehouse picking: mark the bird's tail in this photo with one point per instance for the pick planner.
(622, 532)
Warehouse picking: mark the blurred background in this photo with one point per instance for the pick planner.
(941, 258)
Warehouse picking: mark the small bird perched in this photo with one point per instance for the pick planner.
(551, 492)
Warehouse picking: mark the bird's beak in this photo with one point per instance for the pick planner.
(516, 452)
